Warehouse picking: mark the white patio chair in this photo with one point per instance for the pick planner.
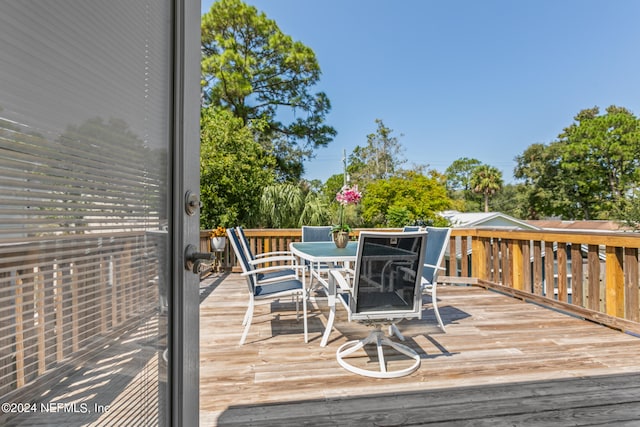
(437, 241)
(245, 246)
(275, 288)
(274, 257)
(384, 288)
(317, 233)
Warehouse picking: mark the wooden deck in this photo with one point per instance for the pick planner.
(502, 362)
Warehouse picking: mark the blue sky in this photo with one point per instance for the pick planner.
(483, 79)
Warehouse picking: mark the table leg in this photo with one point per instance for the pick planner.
(331, 301)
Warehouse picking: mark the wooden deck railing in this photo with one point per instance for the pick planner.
(58, 297)
(260, 241)
(592, 275)
(603, 286)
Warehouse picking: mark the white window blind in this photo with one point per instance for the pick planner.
(85, 95)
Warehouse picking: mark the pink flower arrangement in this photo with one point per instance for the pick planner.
(346, 196)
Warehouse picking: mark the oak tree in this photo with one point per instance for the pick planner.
(589, 171)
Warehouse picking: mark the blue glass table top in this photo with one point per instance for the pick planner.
(324, 251)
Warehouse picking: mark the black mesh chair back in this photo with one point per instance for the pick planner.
(388, 275)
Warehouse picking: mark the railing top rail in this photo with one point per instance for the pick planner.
(620, 239)
(611, 238)
(288, 232)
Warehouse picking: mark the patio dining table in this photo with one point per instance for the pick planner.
(317, 254)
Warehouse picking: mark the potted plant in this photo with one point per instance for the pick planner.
(218, 239)
(346, 196)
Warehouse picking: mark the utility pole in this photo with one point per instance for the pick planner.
(344, 167)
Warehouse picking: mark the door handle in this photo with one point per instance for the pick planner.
(195, 261)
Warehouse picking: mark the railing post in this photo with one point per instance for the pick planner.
(464, 257)
(577, 285)
(593, 263)
(562, 272)
(632, 309)
(506, 246)
(453, 258)
(614, 299)
(548, 270)
(493, 264)
(537, 268)
(267, 245)
(516, 265)
(479, 258)
(526, 265)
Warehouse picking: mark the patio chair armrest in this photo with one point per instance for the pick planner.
(272, 268)
(274, 253)
(437, 267)
(274, 259)
(406, 270)
(344, 270)
(340, 279)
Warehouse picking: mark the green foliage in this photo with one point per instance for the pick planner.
(332, 186)
(537, 168)
(629, 211)
(459, 173)
(589, 171)
(458, 182)
(511, 200)
(234, 169)
(405, 199)
(399, 216)
(253, 69)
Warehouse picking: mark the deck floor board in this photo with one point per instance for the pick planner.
(502, 362)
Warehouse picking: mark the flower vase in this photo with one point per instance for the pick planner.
(217, 243)
(341, 238)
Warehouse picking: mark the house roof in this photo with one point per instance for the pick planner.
(486, 219)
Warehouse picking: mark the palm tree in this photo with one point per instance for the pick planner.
(287, 205)
(486, 180)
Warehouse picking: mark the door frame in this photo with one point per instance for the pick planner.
(184, 307)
